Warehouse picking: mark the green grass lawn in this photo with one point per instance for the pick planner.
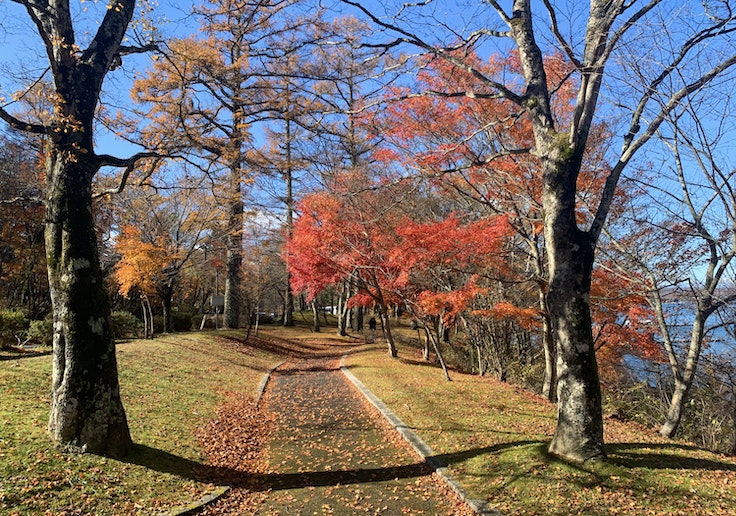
(494, 436)
(170, 387)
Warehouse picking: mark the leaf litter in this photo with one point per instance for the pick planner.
(315, 446)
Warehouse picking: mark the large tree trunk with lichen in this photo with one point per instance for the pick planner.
(234, 237)
(579, 433)
(86, 409)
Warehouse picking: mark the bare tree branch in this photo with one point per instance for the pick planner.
(19, 124)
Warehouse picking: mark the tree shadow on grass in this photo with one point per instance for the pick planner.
(663, 456)
(447, 459)
(18, 354)
(165, 462)
(291, 370)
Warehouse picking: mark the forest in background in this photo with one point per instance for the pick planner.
(301, 166)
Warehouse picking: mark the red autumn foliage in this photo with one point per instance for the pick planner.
(623, 322)
(389, 256)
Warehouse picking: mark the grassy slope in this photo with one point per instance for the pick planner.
(170, 387)
(493, 437)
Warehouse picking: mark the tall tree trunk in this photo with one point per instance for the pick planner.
(289, 304)
(145, 317)
(315, 313)
(579, 432)
(234, 256)
(150, 318)
(234, 237)
(86, 409)
(289, 201)
(342, 311)
(358, 314)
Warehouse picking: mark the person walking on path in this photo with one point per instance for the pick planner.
(372, 328)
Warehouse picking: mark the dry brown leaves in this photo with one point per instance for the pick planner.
(235, 444)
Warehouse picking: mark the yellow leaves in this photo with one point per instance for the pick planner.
(140, 262)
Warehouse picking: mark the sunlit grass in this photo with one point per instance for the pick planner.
(494, 437)
(170, 387)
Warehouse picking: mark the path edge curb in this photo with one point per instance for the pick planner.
(197, 505)
(264, 382)
(419, 446)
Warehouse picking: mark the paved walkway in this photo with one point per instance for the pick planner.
(332, 453)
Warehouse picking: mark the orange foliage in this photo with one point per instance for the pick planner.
(141, 262)
(389, 256)
(527, 318)
(623, 322)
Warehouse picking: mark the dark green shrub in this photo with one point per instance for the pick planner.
(181, 321)
(125, 325)
(13, 325)
(158, 324)
(41, 332)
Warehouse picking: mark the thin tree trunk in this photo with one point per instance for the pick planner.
(386, 327)
(425, 344)
(436, 345)
(481, 369)
(549, 386)
(289, 304)
(342, 313)
(684, 381)
(150, 318)
(315, 312)
(145, 317)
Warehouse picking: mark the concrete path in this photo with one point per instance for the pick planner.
(331, 452)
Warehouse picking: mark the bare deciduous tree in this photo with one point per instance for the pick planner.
(598, 51)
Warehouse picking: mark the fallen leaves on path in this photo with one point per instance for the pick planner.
(333, 453)
(316, 446)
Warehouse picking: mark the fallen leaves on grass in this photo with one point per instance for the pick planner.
(234, 443)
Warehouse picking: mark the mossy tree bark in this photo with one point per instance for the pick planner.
(579, 432)
(86, 409)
